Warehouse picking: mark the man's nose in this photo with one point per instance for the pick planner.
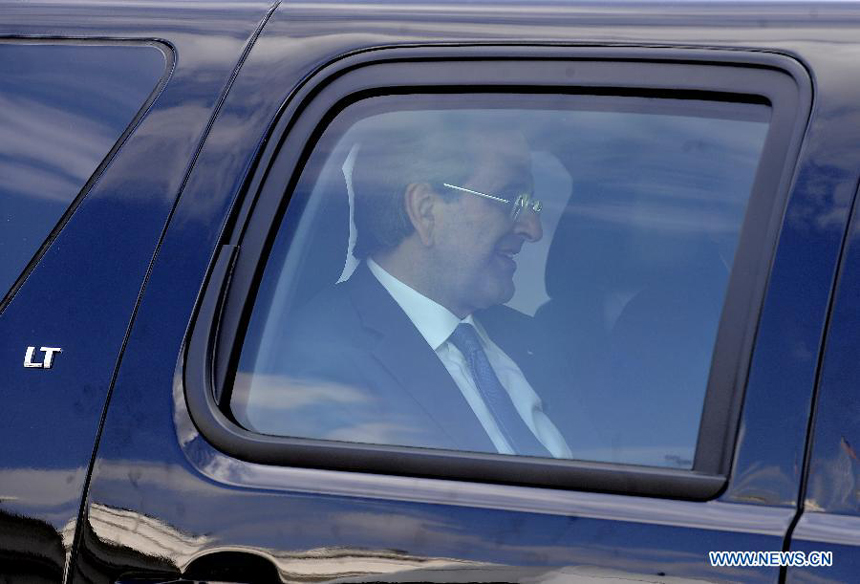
(528, 225)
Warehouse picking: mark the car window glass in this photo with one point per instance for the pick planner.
(62, 108)
(524, 275)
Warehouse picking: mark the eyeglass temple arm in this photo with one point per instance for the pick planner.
(480, 194)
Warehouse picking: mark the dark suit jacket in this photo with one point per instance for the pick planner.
(360, 371)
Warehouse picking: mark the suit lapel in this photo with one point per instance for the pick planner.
(406, 355)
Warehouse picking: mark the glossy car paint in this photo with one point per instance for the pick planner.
(161, 499)
(831, 502)
(83, 292)
(64, 107)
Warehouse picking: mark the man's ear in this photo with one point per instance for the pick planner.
(420, 200)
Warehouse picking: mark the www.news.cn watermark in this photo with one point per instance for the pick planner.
(772, 559)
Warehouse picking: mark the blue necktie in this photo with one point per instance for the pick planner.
(511, 424)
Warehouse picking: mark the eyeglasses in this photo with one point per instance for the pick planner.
(517, 205)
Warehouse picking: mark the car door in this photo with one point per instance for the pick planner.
(204, 471)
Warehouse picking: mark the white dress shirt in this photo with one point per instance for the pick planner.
(436, 323)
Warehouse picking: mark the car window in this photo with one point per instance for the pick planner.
(62, 109)
(513, 274)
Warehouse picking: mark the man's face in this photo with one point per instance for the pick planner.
(476, 238)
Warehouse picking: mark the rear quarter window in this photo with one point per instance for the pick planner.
(63, 109)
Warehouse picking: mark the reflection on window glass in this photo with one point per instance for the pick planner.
(522, 275)
(62, 108)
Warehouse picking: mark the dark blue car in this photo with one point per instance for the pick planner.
(382, 291)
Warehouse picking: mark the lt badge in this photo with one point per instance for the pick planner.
(46, 363)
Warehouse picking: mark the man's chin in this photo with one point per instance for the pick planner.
(507, 295)
(499, 294)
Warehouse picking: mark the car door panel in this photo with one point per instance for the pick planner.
(163, 501)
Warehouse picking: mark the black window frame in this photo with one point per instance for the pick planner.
(216, 333)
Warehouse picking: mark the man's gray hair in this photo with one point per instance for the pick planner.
(387, 163)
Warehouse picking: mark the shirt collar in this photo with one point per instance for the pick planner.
(433, 321)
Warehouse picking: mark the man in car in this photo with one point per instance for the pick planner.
(407, 342)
